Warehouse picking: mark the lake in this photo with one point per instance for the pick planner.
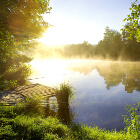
(103, 88)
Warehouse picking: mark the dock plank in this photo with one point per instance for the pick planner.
(27, 91)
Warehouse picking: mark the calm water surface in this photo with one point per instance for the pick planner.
(103, 88)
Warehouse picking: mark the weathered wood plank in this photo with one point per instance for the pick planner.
(27, 91)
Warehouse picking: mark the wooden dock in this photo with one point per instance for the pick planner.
(20, 93)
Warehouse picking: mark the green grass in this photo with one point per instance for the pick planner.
(66, 92)
(28, 121)
(16, 123)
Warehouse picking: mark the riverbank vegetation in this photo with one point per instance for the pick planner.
(26, 121)
(32, 120)
(21, 24)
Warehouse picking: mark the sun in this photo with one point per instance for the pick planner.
(63, 32)
(51, 37)
(66, 31)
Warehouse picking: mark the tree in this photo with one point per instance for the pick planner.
(110, 45)
(21, 22)
(134, 21)
(131, 49)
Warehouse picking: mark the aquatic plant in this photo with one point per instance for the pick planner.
(64, 97)
(66, 92)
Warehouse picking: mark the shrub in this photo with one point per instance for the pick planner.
(39, 128)
(132, 121)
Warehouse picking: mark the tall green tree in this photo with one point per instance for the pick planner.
(131, 47)
(21, 21)
(110, 46)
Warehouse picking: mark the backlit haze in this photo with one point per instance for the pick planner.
(102, 86)
(75, 21)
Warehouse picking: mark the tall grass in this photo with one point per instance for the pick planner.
(17, 124)
(64, 97)
(66, 92)
(27, 121)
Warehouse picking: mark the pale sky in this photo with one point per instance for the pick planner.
(76, 21)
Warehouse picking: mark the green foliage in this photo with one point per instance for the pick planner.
(37, 128)
(133, 19)
(67, 89)
(33, 105)
(83, 50)
(117, 46)
(113, 46)
(110, 46)
(8, 84)
(16, 125)
(21, 22)
(7, 133)
(65, 96)
(66, 92)
(133, 121)
(84, 132)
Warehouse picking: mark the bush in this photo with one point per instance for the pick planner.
(133, 121)
(39, 128)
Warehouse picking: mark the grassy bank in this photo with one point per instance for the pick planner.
(24, 121)
(29, 120)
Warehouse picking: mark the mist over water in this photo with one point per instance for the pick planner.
(103, 88)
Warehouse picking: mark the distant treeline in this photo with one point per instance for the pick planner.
(115, 46)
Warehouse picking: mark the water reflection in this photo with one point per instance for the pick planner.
(114, 73)
(59, 106)
(102, 88)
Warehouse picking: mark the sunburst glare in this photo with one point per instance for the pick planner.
(53, 72)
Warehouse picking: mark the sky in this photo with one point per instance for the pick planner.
(75, 21)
